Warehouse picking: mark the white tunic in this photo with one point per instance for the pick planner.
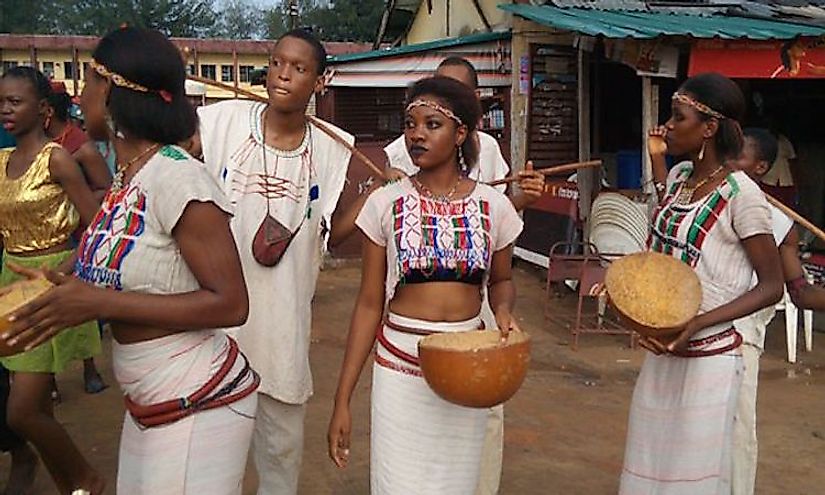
(307, 181)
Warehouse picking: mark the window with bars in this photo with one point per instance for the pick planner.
(245, 73)
(227, 73)
(9, 64)
(370, 113)
(209, 71)
(48, 69)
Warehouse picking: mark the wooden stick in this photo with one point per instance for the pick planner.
(227, 87)
(355, 151)
(796, 217)
(316, 121)
(558, 169)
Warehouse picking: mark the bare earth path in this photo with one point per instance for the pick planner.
(564, 430)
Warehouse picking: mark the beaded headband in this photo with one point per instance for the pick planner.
(435, 106)
(122, 82)
(699, 106)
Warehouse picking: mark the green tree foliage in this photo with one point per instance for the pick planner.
(22, 16)
(239, 20)
(185, 18)
(341, 20)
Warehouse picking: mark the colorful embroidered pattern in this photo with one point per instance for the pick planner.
(441, 241)
(111, 237)
(680, 230)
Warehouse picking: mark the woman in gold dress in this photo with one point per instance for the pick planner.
(44, 197)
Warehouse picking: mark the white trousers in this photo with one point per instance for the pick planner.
(491, 456)
(278, 445)
(745, 448)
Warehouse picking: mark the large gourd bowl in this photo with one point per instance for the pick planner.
(21, 294)
(475, 368)
(656, 295)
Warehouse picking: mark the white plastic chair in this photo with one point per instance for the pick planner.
(792, 325)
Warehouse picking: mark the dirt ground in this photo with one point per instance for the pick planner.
(564, 431)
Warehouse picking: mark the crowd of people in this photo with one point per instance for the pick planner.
(201, 248)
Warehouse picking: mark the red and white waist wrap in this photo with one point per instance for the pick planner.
(398, 337)
(171, 377)
(713, 341)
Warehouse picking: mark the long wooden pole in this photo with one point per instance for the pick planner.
(317, 122)
(796, 217)
(558, 169)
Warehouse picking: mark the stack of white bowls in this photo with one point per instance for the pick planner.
(618, 225)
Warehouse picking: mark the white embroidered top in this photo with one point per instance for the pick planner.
(302, 183)
(707, 235)
(129, 244)
(427, 240)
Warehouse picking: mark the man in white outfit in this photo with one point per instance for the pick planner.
(491, 166)
(276, 164)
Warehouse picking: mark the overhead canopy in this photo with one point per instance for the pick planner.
(647, 24)
(398, 67)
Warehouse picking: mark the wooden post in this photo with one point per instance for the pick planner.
(33, 56)
(587, 179)
(76, 72)
(235, 71)
(448, 18)
(382, 27)
(650, 117)
(481, 14)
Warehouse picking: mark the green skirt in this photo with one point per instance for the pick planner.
(71, 344)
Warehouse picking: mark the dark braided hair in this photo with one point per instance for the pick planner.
(147, 57)
(60, 103)
(724, 96)
(459, 98)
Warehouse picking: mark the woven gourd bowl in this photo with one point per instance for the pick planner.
(656, 295)
(22, 294)
(474, 369)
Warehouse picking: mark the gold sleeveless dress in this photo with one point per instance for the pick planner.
(36, 214)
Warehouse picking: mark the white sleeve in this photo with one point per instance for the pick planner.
(507, 223)
(208, 116)
(369, 219)
(187, 182)
(494, 166)
(399, 158)
(749, 209)
(336, 166)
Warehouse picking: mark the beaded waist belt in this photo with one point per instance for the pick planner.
(694, 345)
(201, 399)
(399, 353)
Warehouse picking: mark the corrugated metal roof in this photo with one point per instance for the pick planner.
(646, 25)
(422, 47)
(643, 6)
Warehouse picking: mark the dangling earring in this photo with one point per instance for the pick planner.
(462, 165)
(702, 151)
(47, 122)
(110, 124)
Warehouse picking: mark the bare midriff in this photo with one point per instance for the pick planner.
(125, 333)
(437, 301)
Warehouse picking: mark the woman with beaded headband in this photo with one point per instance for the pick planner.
(44, 198)
(432, 241)
(717, 221)
(158, 261)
